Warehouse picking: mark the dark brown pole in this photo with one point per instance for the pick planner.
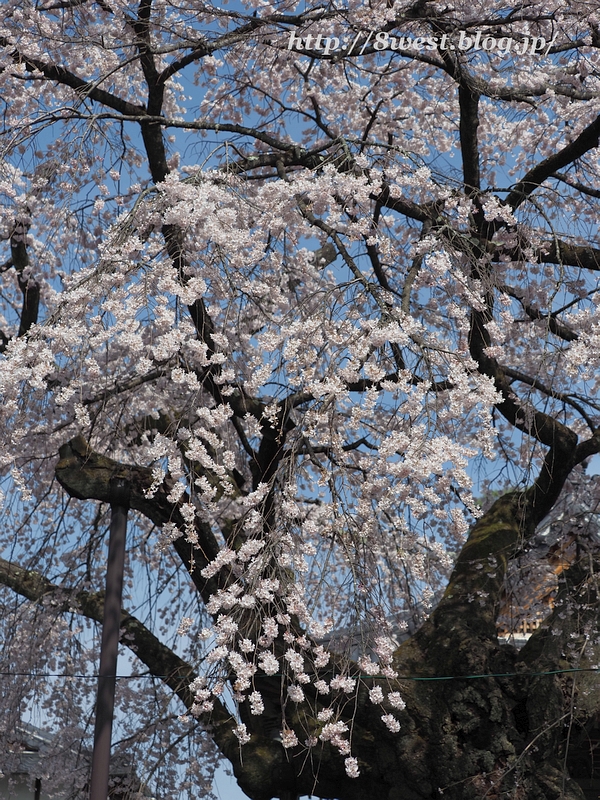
(111, 624)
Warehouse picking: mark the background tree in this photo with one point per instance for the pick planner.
(302, 293)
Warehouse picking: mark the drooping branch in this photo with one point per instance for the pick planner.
(540, 386)
(581, 187)
(64, 77)
(548, 430)
(555, 325)
(587, 140)
(262, 768)
(161, 662)
(86, 475)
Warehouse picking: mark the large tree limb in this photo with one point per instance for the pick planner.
(86, 475)
(29, 287)
(162, 662)
(555, 325)
(468, 101)
(65, 77)
(573, 255)
(471, 599)
(540, 386)
(545, 428)
(587, 140)
(262, 767)
(252, 772)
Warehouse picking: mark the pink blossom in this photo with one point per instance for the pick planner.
(351, 765)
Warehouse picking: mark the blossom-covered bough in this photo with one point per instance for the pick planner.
(307, 296)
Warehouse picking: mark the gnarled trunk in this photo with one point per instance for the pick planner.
(482, 720)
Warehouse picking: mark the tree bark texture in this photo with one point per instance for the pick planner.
(482, 720)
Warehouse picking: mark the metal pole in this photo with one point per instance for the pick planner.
(111, 624)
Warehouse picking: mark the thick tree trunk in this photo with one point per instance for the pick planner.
(466, 736)
(482, 720)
